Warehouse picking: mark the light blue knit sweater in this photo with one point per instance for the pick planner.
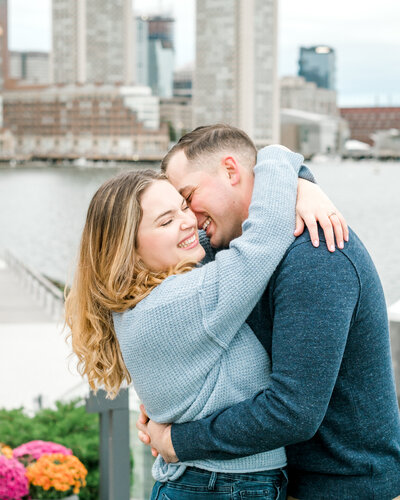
(187, 346)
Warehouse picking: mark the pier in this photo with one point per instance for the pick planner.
(38, 370)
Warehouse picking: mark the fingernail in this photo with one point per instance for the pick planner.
(341, 244)
(316, 243)
(332, 248)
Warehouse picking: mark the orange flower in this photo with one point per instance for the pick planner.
(58, 471)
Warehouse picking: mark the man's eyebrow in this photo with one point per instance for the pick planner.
(185, 188)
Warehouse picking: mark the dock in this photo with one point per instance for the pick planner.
(36, 361)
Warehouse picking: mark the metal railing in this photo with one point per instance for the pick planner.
(44, 291)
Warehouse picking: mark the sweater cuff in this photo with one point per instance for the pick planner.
(179, 442)
(305, 173)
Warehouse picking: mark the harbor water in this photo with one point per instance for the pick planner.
(42, 211)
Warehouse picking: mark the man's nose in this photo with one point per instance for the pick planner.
(200, 220)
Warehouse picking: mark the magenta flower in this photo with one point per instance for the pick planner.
(33, 450)
(13, 481)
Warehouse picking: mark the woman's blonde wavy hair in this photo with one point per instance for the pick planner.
(109, 278)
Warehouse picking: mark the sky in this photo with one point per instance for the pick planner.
(365, 35)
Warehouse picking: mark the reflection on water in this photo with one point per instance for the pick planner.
(42, 212)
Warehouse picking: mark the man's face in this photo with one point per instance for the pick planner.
(211, 197)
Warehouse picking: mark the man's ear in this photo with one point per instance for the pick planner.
(231, 169)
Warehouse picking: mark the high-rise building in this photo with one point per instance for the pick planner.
(318, 65)
(161, 55)
(3, 44)
(298, 94)
(183, 82)
(93, 41)
(236, 66)
(29, 68)
(142, 51)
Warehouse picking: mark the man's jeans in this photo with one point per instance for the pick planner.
(201, 484)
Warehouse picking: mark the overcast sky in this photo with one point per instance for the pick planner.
(365, 35)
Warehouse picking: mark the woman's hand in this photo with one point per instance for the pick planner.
(314, 206)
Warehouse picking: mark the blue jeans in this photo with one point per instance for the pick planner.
(199, 484)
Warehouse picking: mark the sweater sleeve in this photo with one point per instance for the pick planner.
(310, 331)
(177, 334)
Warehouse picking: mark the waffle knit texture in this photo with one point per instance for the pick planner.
(331, 398)
(187, 346)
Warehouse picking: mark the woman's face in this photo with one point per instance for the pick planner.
(167, 232)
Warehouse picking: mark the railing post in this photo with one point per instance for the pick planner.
(394, 318)
(114, 443)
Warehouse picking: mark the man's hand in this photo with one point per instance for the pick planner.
(158, 436)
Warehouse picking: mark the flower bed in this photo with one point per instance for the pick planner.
(13, 480)
(42, 469)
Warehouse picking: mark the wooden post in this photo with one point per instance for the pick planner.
(114, 443)
(394, 319)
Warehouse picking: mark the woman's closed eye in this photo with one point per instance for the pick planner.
(166, 222)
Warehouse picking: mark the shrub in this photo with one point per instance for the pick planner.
(69, 425)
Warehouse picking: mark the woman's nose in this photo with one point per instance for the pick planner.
(188, 220)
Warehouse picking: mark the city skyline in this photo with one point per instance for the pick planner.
(365, 38)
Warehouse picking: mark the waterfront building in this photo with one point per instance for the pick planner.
(387, 143)
(3, 44)
(177, 112)
(7, 144)
(93, 41)
(160, 55)
(91, 121)
(313, 133)
(235, 79)
(365, 121)
(29, 68)
(183, 82)
(297, 93)
(318, 64)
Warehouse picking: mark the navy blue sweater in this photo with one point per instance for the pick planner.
(331, 400)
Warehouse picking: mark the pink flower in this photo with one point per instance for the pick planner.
(13, 481)
(35, 449)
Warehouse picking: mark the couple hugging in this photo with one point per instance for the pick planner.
(262, 359)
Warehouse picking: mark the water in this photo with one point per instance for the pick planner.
(42, 212)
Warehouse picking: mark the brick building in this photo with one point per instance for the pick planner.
(364, 122)
(98, 122)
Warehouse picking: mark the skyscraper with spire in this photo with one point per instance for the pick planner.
(236, 66)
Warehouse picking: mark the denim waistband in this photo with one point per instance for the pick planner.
(261, 476)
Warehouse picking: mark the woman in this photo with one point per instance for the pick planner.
(141, 308)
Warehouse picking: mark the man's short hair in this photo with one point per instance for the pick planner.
(211, 139)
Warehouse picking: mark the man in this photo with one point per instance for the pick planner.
(322, 319)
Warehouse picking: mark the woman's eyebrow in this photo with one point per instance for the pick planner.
(168, 212)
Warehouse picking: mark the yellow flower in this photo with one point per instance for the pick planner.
(6, 451)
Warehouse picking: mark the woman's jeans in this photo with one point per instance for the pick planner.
(199, 484)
